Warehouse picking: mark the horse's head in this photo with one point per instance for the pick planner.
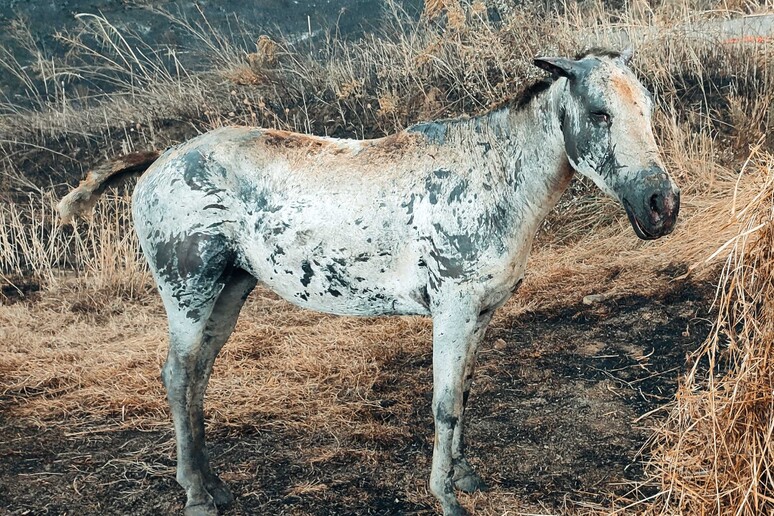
(606, 120)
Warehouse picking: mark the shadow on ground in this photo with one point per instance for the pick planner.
(551, 420)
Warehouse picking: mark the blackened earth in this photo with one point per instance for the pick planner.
(552, 418)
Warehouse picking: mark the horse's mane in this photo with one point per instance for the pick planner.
(528, 93)
(598, 52)
(514, 102)
(523, 97)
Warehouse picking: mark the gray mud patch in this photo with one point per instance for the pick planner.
(551, 419)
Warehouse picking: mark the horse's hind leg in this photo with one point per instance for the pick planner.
(219, 328)
(203, 294)
(465, 478)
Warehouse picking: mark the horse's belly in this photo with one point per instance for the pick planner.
(374, 303)
(338, 279)
(343, 295)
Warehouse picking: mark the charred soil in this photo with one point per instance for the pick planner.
(552, 421)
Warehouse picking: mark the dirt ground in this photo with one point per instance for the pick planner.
(551, 427)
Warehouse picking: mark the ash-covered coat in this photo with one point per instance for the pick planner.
(436, 220)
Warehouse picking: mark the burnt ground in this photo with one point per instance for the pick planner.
(551, 419)
(44, 22)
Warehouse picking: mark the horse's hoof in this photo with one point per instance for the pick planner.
(470, 483)
(465, 479)
(221, 494)
(206, 509)
(455, 510)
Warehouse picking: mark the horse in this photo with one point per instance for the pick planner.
(435, 220)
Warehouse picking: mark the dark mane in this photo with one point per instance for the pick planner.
(515, 102)
(526, 95)
(523, 97)
(435, 130)
(598, 52)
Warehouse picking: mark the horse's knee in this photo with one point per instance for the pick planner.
(167, 374)
(175, 374)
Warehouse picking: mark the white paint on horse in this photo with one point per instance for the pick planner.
(436, 220)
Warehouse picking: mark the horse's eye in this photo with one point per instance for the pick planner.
(601, 117)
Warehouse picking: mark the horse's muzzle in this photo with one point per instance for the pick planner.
(653, 207)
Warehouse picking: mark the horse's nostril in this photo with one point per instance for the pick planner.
(655, 206)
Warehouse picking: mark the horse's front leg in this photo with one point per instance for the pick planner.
(455, 330)
(465, 479)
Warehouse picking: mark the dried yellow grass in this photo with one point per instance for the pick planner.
(714, 452)
(84, 364)
(36, 246)
(89, 319)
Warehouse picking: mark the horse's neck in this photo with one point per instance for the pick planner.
(536, 170)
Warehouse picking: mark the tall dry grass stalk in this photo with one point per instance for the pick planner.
(103, 253)
(452, 60)
(714, 452)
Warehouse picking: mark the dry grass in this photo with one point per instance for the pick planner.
(88, 351)
(81, 363)
(108, 97)
(713, 453)
(35, 246)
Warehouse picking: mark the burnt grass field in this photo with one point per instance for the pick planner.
(552, 422)
(314, 414)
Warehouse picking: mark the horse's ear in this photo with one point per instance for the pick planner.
(626, 55)
(558, 66)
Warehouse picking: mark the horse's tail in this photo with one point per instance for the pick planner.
(113, 173)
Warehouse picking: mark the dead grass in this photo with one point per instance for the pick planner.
(109, 97)
(88, 352)
(713, 452)
(71, 360)
(103, 252)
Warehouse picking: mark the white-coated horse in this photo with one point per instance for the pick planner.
(436, 220)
